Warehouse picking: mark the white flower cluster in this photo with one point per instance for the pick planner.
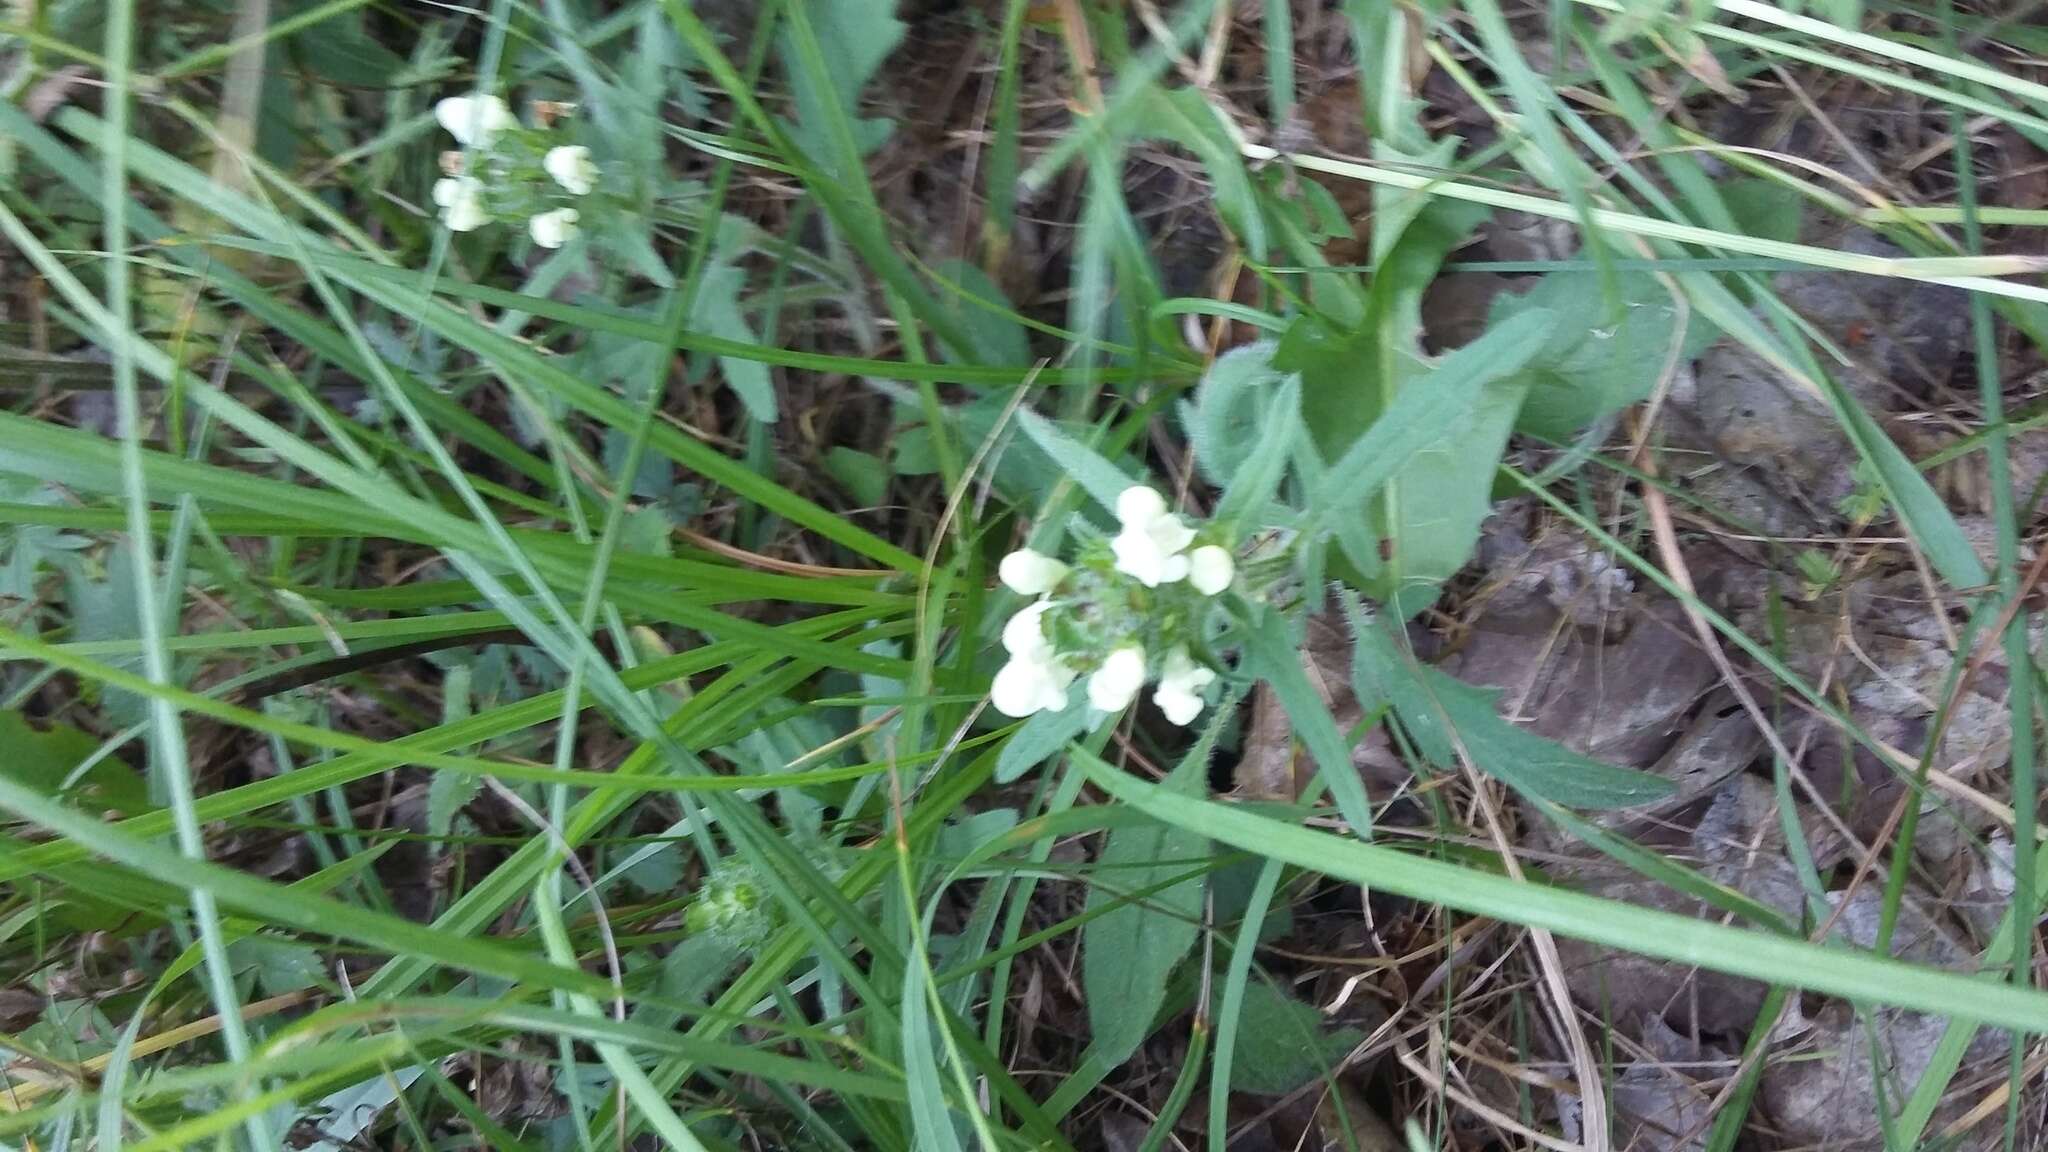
(1102, 618)
(482, 123)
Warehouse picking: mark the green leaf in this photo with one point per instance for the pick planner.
(1256, 481)
(1440, 713)
(863, 474)
(451, 792)
(1764, 208)
(985, 314)
(716, 310)
(1127, 953)
(1281, 1042)
(44, 760)
(106, 610)
(1599, 358)
(1273, 653)
(1433, 409)
(1041, 736)
(860, 35)
(1436, 447)
(1184, 116)
(1083, 465)
(1231, 408)
(340, 52)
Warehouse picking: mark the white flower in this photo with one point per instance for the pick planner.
(1116, 683)
(1181, 682)
(474, 120)
(1139, 504)
(1210, 569)
(1026, 685)
(1024, 635)
(572, 168)
(462, 203)
(552, 229)
(1029, 573)
(1149, 548)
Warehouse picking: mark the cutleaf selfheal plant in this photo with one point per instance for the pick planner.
(510, 171)
(1124, 614)
(732, 907)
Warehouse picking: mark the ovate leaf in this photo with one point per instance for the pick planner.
(1282, 1043)
(857, 36)
(1040, 737)
(1230, 409)
(1184, 116)
(984, 313)
(716, 311)
(1429, 408)
(1602, 355)
(1442, 714)
(45, 759)
(862, 474)
(1128, 953)
(1083, 465)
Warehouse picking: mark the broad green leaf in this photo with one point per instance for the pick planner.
(1349, 375)
(1258, 476)
(1436, 447)
(1039, 737)
(859, 35)
(1597, 361)
(1433, 407)
(1441, 714)
(1282, 1043)
(863, 474)
(983, 312)
(45, 759)
(1103, 481)
(1765, 208)
(716, 310)
(1230, 408)
(1272, 652)
(1184, 116)
(103, 610)
(1437, 500)
(1128, 953)
(340, 52)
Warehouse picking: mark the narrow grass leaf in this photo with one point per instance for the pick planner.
(1760, 956)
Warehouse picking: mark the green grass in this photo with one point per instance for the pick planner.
(605, 732)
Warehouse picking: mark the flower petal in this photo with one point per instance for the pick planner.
(1024, 633)
(572, 168)
(1170, 532)
(474, 120)
(1116, 683)
(1180, 708)
(1139, 505)
(552, 229)
(1211, 568)
(1138, 556)
(1021, 687)
(1030, 573)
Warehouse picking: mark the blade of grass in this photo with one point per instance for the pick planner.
(168, 753)
(1739, 952)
